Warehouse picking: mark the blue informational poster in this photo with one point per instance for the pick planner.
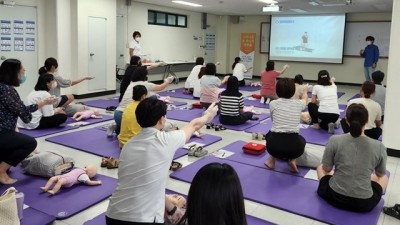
(30, 44)
(18, 27)
(18, 44)
(30, 27)
(5, 44)
(5, 27)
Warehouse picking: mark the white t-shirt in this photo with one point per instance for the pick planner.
(47, 110)
(239, 71)
(127, 98)
(142, 175)
(137, 48)
(327, 96)
(194, 75)
(373, 108)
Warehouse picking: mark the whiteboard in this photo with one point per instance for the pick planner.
(264, 38)
(356, 32)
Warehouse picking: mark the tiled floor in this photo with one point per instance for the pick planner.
(258, 210)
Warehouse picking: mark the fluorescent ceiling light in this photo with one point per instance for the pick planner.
(187, 3)
(313, 3)
(271, 8)
(269, 1)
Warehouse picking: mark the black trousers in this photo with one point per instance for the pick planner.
(52, 121)
(373, 133)
(285, 146)
(15, 146)
(235, 120)
(325, 118)
(111, 221)
(242, 83)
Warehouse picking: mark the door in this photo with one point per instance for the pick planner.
(97, 54)
(18, 40)
(121, 48)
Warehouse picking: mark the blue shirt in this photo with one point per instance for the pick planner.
(11, 107)
(371, 55)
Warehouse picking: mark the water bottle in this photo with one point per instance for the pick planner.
(20, 204)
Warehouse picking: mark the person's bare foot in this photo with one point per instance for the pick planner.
(5, 179)
(315, 126)
(270, 163)
(51, 192)
(43, 189)
(293, 166)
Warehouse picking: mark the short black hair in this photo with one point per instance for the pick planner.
(378, 76)
(199, 61)
(285, 88)
(48, 63)
(9, 71)
(370, 38)
(41, 84)
(139, 74)
(270, 65)
(211, 69)
(134, 60)
(298, 79)
(136, 33)
(149, 112)
(138, 92)
(232, 87)
(323, 78)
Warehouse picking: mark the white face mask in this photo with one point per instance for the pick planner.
(137, 39)
(369, 42)
(53, 85)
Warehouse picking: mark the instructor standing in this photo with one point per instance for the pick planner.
(371, 56)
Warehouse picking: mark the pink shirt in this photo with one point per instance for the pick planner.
(72, 177)
(87, 113)
(268, 82)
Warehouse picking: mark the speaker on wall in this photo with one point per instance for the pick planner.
(204, 21)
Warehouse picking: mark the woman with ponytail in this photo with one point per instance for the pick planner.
(373, 127)
(355, 157)
(50, 66)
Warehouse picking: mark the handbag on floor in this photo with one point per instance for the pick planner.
(253, 148)
(48, 164)
(8, 208)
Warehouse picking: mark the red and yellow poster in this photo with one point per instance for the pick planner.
(247, 48)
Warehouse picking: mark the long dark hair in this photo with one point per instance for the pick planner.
(201, 72)
(237, 60)
(323, 78)
(47, 65)
(232, 87)
(368, 88)
(356, 117)
(215, 197)
(139, 74)
(9, 71)
(41, 84)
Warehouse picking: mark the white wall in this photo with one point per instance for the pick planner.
(351, 71)
(163, 42)
(392, 119)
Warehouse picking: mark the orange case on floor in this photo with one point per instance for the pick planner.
(196, 105)
(253, 148)
(256, 96)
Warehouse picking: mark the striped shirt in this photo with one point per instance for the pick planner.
(231, 105)
(285, 115)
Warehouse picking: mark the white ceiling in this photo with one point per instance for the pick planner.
(253, 7)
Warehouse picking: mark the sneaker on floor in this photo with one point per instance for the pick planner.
(111, 129)
(331, 128)
(262, 100)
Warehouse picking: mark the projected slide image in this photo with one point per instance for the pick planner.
(307, 38)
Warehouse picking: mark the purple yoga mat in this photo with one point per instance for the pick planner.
(184, 114)
(245, 88)
(256, 103)
(44, 132)
(339, 94)
(66, 202)
(355, 96)
(176, 93)
(247, 125)
(312, 136)
(102, 103)
(96, 142)
(91, 120)
(258, 160)
(290, 193)
(36, 217)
